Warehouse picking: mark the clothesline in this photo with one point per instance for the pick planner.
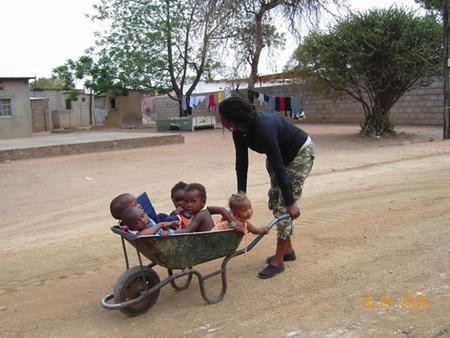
(286, 104)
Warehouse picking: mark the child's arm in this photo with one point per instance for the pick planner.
(154, 229)
(151, 230)
(221, 211)
(227, 217)
(256, 230)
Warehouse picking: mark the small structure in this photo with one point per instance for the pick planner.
(15, 110)
(39, 114)
(63, 112)
(119, 111)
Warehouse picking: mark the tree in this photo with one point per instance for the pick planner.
(158, 44)
(255, 29)
(46, 83)
(432, 5)
(375, 57)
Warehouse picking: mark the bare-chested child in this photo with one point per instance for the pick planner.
(195, 205)
(241, 210)
(137, 222)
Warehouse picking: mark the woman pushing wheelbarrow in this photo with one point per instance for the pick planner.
(290, 157)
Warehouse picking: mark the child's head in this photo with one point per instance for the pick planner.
(120, 203)
(177, 194)
(241, 206)
(135, 218)
(195, 198)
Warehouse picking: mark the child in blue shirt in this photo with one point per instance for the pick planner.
(137, 222)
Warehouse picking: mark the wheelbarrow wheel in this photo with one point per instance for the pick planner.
(130, 285)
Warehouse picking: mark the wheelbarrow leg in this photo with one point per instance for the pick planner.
(223, 275)
(183, 286)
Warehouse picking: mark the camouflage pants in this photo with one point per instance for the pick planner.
(298, 170)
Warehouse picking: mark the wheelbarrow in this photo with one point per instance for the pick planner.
(137, 289)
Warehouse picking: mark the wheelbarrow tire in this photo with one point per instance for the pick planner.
(130, 285)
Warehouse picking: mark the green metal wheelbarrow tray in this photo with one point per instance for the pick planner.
(137, 289)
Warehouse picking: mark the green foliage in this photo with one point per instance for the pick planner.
(375, 57)
(46, 83)
(155, 45)
(432, 5)
(97, 77)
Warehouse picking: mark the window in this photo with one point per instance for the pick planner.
(113, 103)
(5, 107)
(68, 104)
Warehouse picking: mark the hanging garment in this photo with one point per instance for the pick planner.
(282, 104)
(196, 100)
(277, 103)
(211, 103)
(219, 97)
(188, 102)
(188, 110)
(287, 105)
(294, 107)
(193, 101)
(261, 98)
(266, 98)
(271, 105)
(227, 92)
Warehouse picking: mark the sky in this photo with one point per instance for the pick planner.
(38, 36)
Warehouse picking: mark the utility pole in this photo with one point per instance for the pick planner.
(446, 133)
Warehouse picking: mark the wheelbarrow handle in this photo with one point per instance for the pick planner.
(258, 238)
(105, 301)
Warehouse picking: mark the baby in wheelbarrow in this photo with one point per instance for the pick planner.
(241, 210)
(136, 221)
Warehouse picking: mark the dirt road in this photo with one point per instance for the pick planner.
(372, 242)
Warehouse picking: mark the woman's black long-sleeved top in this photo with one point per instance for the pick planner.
(280, 140)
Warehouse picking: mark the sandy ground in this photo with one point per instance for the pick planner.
(372, 242)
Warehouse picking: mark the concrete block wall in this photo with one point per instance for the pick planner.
(421, 106)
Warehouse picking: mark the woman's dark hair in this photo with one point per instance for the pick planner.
(238, 111)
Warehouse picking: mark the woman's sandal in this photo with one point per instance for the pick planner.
(287, 257)
(270, 271)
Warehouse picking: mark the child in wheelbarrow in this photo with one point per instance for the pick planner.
(126, 200)
(241, 210)
(195, 205)
(177, 194)
(136, 221)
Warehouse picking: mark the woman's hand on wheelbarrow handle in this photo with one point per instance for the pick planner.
(293, 210)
